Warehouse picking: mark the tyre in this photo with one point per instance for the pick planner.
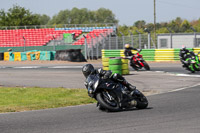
(115, 61)
(115, 67)
(105, 102)
(146, 66)
(124, 61)
(125, 72)
(142, 101)
(106, 64)
(125, 66)
(105, 68)
(117, 71)
(105, 59)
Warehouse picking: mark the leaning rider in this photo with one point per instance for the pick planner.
(128, 52)
(183, 55)
(89, 69)
(128, 48)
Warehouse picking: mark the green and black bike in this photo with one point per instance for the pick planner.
(190, 61)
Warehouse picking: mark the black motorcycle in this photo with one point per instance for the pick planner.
(113, 96)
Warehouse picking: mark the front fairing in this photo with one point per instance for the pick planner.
(92, 82)
(95, 83)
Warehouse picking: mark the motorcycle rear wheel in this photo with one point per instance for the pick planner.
(103, 101)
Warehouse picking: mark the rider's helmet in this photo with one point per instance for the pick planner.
(183, 48)
(87, 70)
(127, 45)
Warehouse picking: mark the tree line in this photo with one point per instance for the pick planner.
(20, 16)
(177, 25)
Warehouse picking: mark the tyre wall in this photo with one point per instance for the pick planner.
(151, 54)
(116, 65)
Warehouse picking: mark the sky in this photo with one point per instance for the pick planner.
(126, 11)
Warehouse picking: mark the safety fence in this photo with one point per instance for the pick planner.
(150, 54)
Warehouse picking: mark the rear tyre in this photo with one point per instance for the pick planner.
(111, 105)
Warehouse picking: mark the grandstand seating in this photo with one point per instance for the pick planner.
(33, 37)
(41, 37)
(100, 33)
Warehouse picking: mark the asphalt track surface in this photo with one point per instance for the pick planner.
(175, 112)
(170, 112)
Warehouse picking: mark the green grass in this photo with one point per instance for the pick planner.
(16, 99)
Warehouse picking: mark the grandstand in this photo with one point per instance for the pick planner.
(44, 37)
(21, 41)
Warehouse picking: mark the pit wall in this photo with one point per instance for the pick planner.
(29, 55)
(150, 54)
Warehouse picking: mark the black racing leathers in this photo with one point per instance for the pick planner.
(183, 55)
(115, 77)
(128, 52)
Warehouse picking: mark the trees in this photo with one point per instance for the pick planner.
(18, 16)
(83, 16)
(140, 24)
(43, 19)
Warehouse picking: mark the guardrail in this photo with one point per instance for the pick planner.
(151, 54)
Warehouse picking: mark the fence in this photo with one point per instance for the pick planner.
(112, 41)
(57, 26)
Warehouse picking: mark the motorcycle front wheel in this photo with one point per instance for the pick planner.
(105, 102)
(146, 66)
(142, 101)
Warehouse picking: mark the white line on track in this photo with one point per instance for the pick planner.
(65, 67)
(183, 88)
(187, 75)
(28, 67)
(179, 74)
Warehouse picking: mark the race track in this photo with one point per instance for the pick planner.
(175, 112)
(169, 112)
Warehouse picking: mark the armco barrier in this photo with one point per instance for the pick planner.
(148, 54)
(111, 53)
(176, 54)
(196, 51)
(164, 55)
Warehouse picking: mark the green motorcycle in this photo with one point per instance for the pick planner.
(192, 62)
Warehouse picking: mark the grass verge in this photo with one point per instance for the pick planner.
(16, 99)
